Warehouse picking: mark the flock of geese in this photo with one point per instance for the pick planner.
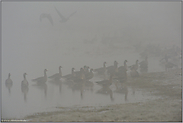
(86, 73)
(108, 74)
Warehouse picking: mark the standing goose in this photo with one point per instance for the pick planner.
(9, 83)
(112, 69)
(89, 75)
(57, 76)
(24, 82)
(41, 80)
(135, 66)
(123, 67)
(169, 65)
(70, 75)
(101, 70)
(24, 87)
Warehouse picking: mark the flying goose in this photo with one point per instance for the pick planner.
(41, 80)
(64, 19)
(48, 16)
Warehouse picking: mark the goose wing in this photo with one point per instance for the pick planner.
(72, 14)
(38, 79)
(61, 16)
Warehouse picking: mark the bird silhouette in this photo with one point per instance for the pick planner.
(64, 19)
(48, 16)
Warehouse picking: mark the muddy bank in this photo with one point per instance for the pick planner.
(168, 108)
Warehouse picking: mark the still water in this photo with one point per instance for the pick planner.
(32, 54)
(16, 104)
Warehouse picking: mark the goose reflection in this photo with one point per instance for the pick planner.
(105, 90)
(78, 86)
(89, 85)
(9, 83)
(57, 83)
(41, 86)
(122, 90)
(25, 87)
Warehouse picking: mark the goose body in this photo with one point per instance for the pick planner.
(101, 70)
(57, 76)
(112, 69)
(24, 82)
(9, 83)
(105, 82)
(135, 66)
(89, 75)
(123, 67)
(70, 75)
(41, 79)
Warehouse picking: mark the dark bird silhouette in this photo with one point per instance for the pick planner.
(41, 80)
(89, 75)
(64, 19)
(9, 83)
(24, 87)
(24, 82)
(68, 76)
(102, 70)
(57, 76)
(135, 66)
(169, 65)
(48, 16)
(123, 67)
(134, 73)
(106, 83)
(112, 69)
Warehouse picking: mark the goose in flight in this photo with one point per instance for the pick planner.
(48, 16)
(64, 19)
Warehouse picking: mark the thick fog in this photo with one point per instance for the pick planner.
(30, 45)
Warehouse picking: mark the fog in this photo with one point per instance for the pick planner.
(30, 45)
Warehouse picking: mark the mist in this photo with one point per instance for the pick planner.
(30, 45)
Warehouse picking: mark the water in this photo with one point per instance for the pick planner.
(33, 47)
(33, 57)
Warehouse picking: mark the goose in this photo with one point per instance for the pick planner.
(105, 82)
(79, 76)
(24, 82)
(70, 75)
(57, 76)
(9, 83)
(112, 69)
(89, 75)
(101, 70)
(144, 65)
(135, 66)
(123, 67)
(169, 65)
(24, 87)
(41, 80)
(48, 16)
(64, 19)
